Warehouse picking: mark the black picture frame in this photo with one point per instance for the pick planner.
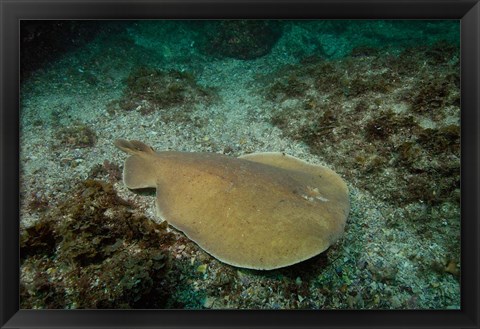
(467, 11)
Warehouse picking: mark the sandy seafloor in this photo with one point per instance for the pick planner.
(383, 261)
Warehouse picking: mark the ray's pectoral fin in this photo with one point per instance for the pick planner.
(138, 170)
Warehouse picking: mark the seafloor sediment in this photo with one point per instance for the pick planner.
(385, 115)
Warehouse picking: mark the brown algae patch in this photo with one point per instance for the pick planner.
(150, 90)
(76, 135)
(93, 251)
(396, 117)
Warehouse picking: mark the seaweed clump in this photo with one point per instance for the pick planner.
(37, 202)
(93, 251)
(108, 170)
(150, 90)
(432, 96)
(78, 135)
(387, 123)
(292, 87)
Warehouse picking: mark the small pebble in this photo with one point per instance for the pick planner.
(202, 268)
(208, 302)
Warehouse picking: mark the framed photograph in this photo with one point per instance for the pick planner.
(239, 164)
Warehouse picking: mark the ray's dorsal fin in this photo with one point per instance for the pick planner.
(133, 147)
(139, 169)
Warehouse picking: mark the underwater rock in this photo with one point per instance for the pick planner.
(240, 39)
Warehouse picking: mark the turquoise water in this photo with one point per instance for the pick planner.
(242, 39)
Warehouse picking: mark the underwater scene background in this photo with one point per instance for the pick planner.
(376, 101)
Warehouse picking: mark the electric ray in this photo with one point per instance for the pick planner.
(260, 211)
